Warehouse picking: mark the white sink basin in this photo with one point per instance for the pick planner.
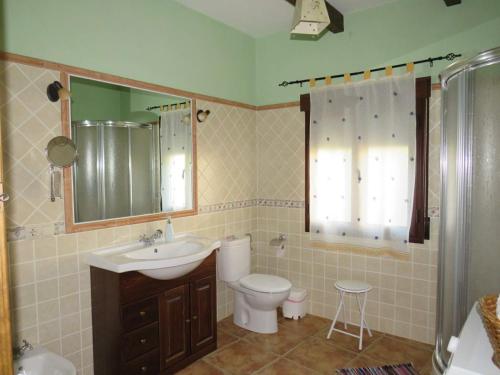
(40, 361)
(162, 260)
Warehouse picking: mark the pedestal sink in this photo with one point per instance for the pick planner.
(161, 260)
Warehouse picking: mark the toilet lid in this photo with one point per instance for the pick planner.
(265, 283)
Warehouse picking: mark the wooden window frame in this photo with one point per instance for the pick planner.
(420, 222)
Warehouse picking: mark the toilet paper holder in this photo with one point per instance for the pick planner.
(280, 241)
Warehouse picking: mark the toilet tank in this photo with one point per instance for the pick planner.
(233, 259)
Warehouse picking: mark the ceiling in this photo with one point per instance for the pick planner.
(264, 17)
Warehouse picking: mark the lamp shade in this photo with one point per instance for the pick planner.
(310, 17)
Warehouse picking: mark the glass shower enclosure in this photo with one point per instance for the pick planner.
(116, 169)
(469, 243)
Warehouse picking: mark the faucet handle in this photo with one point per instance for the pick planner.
(19, 350)
(27, 345)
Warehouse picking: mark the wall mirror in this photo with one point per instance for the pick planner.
(136, 154)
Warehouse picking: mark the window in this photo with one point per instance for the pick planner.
(341, 192)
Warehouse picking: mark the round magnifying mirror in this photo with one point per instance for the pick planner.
(61, 151)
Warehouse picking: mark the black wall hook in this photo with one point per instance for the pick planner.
(56, 91)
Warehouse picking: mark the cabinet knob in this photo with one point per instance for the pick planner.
(142, 313)
(143, 341)
(195, 317)
(188, 320)
(144, 368)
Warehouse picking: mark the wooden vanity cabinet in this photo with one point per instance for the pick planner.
(144, 326)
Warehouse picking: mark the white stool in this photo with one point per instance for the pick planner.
(356, 288)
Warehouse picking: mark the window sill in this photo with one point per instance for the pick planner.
(360, 250)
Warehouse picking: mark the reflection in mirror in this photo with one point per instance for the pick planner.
(135, 151)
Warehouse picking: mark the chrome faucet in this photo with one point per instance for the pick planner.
(21, 349)
(148, 241)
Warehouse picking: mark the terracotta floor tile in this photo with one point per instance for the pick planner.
(286, 367)
(280, 343)
(224, 338)
(200, 368)
(346, 341)
(241, 358)
(305, 350)
(307, 326)
(415, 344)
(393, 351)
(316, 355)
(231, 328)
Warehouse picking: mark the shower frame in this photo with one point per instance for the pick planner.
(461, 254)
(101, 164)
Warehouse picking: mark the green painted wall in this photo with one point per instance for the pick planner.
(93, 100)
(155, 41)
(403, 31)
(163, 42)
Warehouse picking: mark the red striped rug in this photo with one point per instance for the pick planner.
(404, 369)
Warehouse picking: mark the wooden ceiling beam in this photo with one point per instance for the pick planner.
(449, 3)
(336, 18)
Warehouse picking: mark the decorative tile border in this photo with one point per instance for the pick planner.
(55, 229)
(433, 211)
(31, 232)
(250, 203)
(226, 206)
(280, 203)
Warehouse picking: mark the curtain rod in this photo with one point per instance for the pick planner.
(166, 105)
(430, 60)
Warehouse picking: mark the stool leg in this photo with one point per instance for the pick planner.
(343, 313)
(364, 320)
(341, 303)
(362, 310)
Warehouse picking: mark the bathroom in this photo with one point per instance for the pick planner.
(219, 65)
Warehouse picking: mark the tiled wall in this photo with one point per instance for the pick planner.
(49, 279)
(403, 301)
(250, 180)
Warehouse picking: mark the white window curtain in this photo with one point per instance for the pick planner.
(362, 162)
(176, 161)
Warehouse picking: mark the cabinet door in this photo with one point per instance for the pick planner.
(203, 313)
(174, 323)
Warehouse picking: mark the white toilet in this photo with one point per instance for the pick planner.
(256, 296)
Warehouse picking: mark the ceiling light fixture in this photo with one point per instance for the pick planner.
(310, 17)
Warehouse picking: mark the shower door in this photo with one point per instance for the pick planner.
(469, 249)
(116, 172)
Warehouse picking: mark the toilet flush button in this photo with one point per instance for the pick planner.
(453, 344)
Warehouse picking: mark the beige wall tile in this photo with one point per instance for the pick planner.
(242, 155)
(24, 295)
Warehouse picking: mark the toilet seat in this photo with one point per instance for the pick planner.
(265, 283)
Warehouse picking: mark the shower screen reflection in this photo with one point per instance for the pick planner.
(134, 151)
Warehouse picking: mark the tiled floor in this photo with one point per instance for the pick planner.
(301, 347)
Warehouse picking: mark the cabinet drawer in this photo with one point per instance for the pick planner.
(139, 314)
(148, 364)
(140, 341)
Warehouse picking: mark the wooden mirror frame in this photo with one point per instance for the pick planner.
(69, 218)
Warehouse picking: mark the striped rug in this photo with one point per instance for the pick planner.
(404, 369)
